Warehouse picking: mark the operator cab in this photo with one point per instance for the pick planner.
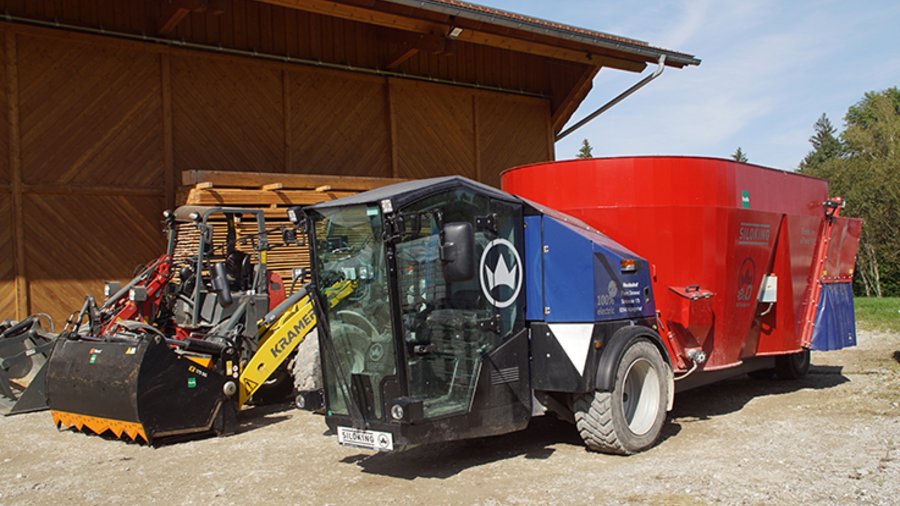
(432, 339)
(219, 270)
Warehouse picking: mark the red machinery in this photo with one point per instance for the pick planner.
(739, 253)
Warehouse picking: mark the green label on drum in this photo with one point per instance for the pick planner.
(93, 358)
(192, 382)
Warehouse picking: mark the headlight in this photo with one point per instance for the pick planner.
(397, 412)
(110, 288)
(137, 294)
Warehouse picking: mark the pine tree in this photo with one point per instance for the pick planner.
(586, 150)
(826, 146)
(740, 156)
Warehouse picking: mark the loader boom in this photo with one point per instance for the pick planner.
(279, 339)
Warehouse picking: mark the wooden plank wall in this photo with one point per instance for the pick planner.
(7, 259)
(7, 227)
(95, 132)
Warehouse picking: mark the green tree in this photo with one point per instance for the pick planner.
(740, 156)
(586, 150)
(867, 175)
(826, 146)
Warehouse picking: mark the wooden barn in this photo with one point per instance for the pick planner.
(103, 104)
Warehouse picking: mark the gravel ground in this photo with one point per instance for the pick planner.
(833, 437)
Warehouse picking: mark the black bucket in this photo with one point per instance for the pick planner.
(142, 390)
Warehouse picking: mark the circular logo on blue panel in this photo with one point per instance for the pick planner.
(500, 271)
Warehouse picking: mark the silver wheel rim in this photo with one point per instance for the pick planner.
(640, 396)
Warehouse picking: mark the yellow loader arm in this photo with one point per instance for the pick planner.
(278, 339)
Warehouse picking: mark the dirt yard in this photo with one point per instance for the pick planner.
(833, 437)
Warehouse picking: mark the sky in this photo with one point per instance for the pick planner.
(769, 70)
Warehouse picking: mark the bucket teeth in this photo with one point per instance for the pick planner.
(97, 425)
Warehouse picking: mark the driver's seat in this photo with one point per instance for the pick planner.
(238, 270)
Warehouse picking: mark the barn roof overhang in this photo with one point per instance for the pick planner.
(444, 41)
(431, 23)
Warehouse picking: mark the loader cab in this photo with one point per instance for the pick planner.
(431, 343)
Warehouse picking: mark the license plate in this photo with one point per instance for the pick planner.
(368, 439)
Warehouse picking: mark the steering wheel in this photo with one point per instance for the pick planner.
(357, 319)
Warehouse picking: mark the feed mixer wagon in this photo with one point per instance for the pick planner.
(593, 289)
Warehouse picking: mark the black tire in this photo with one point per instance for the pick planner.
(278, 388)
(628, 419)
(793, 366)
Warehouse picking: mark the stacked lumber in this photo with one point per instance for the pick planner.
(274, 193)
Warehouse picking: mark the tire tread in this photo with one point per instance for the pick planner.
(593, 418)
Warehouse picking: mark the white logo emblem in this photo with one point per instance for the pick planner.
(504, 278)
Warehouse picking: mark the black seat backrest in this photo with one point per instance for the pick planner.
(239, 270)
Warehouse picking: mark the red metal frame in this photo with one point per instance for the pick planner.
(130, 310)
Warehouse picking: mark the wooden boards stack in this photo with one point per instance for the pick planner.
(272, 192)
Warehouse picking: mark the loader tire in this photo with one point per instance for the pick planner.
(278, 388)
(629, 418)
(793, 366)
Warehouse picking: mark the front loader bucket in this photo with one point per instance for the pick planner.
(140, 391)
(34, 398)
(23, 352)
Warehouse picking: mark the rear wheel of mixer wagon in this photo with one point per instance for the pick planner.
(793, 366)
(629, 418)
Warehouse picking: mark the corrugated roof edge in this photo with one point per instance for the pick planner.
(544, 27)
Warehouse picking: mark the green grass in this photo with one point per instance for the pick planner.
(875, 313)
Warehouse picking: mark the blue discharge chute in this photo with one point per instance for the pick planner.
(835, 326)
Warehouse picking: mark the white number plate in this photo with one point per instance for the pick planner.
(368, 439)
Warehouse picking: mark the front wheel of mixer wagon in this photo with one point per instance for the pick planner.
(629, 418)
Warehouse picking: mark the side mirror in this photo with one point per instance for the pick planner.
(220, 285)
(458, 251)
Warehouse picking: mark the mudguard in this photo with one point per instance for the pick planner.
(615, 348)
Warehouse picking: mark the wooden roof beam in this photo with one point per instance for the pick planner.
(410, 44)
(362, 11)
(401, 57)
(174, 11)
(565, 106)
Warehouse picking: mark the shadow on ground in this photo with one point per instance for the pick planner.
(249, 420)
(444, 460)
(263, 416)
(733, 394)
